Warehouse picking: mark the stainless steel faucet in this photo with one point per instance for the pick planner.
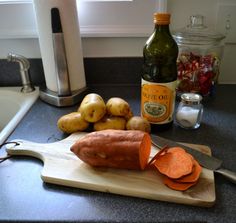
(24, 71)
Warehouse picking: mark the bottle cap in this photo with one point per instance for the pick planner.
(191, 98)
(162, 18)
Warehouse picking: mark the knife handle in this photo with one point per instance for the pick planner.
(230, 175)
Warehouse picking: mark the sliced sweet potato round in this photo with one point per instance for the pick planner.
(175, 163)
(176, 185)
(193, 176)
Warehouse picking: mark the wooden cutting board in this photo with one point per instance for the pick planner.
(62, 167)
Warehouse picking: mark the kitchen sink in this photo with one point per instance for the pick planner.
(13, 106)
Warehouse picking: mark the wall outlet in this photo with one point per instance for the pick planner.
(226, 21)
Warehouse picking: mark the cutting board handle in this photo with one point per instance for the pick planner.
(43, 151)
(27, 148)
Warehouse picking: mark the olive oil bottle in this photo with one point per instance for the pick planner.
(159, 75)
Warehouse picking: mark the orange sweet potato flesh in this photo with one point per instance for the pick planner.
(177, 185)
(123, 149)
(175, 163)
(155, 157)
(185, 182)
(193, 176)
(180, 170)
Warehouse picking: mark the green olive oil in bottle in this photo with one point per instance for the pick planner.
(159, 75)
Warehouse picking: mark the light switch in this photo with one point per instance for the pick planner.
(226, 22)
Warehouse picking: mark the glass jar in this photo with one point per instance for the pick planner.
(200, 53)
(189, 111)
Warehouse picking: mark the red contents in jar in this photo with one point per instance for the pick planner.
(197, 73)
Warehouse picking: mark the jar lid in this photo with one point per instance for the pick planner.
(197, 33)
(191, 98)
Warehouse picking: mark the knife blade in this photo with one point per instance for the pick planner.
(205, 160)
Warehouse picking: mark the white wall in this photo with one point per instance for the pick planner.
(132, 46)
(181, 10)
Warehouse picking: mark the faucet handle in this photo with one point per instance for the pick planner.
(24, 71)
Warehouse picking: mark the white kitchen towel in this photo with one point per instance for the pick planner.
(73, 47)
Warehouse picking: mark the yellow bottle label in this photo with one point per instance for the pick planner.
(158, 101)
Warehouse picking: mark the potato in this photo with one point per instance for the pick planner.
(129, 115)
(110, 122)
(72, 122)
(92, 107)
(118, 107)
(138, 123)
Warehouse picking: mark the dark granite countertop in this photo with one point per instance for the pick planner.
(24, 196)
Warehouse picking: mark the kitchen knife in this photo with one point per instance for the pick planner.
(205, 160)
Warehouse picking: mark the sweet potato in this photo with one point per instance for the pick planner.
(175, 163)
(160, 153)
(176, 185)
(180, 170)
(124, 149)
(193, 176)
